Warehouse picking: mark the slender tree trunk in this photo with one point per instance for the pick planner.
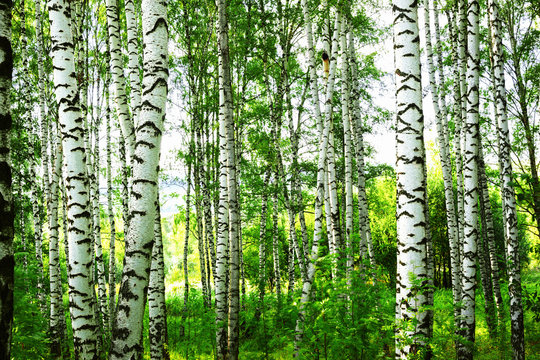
(117, 75)
(430, 272)
(6, 201)
(324, 134)
(157, 312)
(207, 208)
(262, 247)
(112, 224)
(133, 59)
(296, 191)
(200, 230)
(226, 223)
(411, 192)
(127, 330)
(458, 231)
(328, 218)
(22, 222)
(275, 245)
(508, 194)
(459, 137)
(234, 231)
(55, 281)
(366, 245)
(470, 175)
(42, 115)
(483, 254)
(242, 271)
(492, 262)
(331, 204)
(332, 183)
(124, 185)
(439, 107)
(34, 181)
(94, 193)
(523, 96)
(186, 237)
(348, 151)
(228, 157)
(85, 328)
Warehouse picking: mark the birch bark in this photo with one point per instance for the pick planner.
(470, 183)
(127, 330)
(439, 107)
(85, 327)
(227, 231)
(411, 192)
(508, 194)
(324, 134)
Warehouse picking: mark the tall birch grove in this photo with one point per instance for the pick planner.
(259, 179)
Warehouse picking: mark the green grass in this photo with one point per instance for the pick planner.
(272, 337)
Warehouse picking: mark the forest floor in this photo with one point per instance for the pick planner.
(274, 339)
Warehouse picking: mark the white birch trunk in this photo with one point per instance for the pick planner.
(439, 108)
(262, 247)
(470, 184)
(127, 330)
(112, 223)
(55, 284)
(85, 328)
(275, 244)
(458, 234)
(117, 77)
(324, 134)
(226, 235)
(366, 246)
(187, 229)
(508, 194)
(411, 192)
(157, 312)
(94, 172)
(348, 150)
(35, 185)
(133, 60)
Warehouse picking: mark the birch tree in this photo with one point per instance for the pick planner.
(226, 223)
(470, 183)
(112, 223)
(127, 330)
(456, 255)
(275, 243)
(366, 246)
(234, 216)
(262, 247)
(85, 328)
(55, 284)
(411, 191)
(439, 108)
(507, 190)
(35, 188)
(157, 312)
(324, 130)
(117, 76)
(348, 151)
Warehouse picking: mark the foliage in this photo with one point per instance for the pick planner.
(29, 326)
